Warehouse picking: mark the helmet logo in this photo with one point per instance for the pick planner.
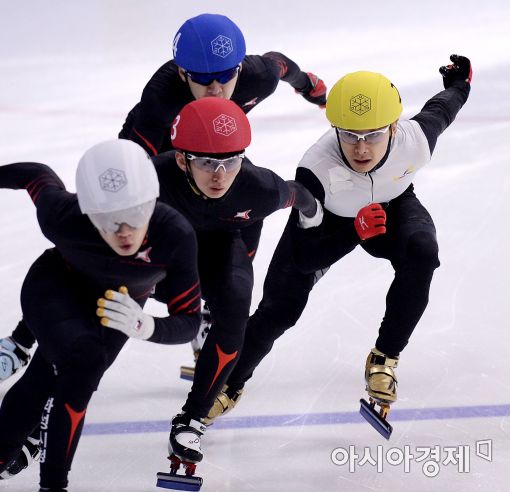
(222, 46)
(112, 180)
(360, 104)
(224, 125)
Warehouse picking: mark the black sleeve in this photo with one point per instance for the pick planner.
(54, 204)
(30, 176)
(180, 291)
(289, 71)
(162, 98)
(440, 111)
(141, 127)
(181, 326)
(149, 123)
(276, 190)
(302, 199)
(311, 182)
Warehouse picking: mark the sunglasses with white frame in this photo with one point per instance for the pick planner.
(353, 138)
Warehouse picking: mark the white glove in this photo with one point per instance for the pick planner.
(120, 312)
(308, 222)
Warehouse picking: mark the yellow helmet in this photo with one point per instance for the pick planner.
(363, 101)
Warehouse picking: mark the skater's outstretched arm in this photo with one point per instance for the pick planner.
(304, 201)
(311, 87)
(440, 111)
(54, 204)
(32, 176)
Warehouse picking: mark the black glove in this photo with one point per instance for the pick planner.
(314, 91)
(460, 69)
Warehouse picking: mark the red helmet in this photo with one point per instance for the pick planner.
(211, 125)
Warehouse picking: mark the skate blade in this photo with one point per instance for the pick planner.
(187, 373)
(178, 482)
(371, 415)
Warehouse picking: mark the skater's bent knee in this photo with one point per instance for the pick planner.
(422, 247)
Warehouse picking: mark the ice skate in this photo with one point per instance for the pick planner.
(29, 453)
(225, 401)
(13, 357)
(184, 449)
(381, 385)
(188, 372)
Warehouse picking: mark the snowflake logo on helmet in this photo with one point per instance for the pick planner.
(360, 104)
(224, 125)
(112, 180)
(222, 46)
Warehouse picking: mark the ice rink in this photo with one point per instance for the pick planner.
(70, 70)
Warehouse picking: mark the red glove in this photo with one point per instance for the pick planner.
(370, 221)
(315, 91)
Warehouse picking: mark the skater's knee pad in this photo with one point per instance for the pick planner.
(423, 250)
(232, 307)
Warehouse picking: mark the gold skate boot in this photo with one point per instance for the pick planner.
(381, 385)
(380, 376)
(223, 403)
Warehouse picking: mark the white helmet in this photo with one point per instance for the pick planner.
(117, 176)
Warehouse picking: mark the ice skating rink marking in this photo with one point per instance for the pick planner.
(397, 415)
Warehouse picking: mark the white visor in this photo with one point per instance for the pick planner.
(135, 217)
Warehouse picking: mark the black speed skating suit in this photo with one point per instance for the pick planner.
(225, 267)
(58, 299)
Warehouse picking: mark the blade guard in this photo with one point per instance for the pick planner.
(178, 482)
(379, 423)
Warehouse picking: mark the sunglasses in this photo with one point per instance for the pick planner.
(370, 138)
(134, 217)
(212, 165)
(208, 78)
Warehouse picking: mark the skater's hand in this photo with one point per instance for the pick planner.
(314, 91)
(459, 69)
(120, 312)
(370, 221)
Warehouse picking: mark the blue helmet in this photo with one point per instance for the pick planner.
(209, 43)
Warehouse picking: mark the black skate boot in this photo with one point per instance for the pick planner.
(188, 372)
(184, 449)
(29, 453)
